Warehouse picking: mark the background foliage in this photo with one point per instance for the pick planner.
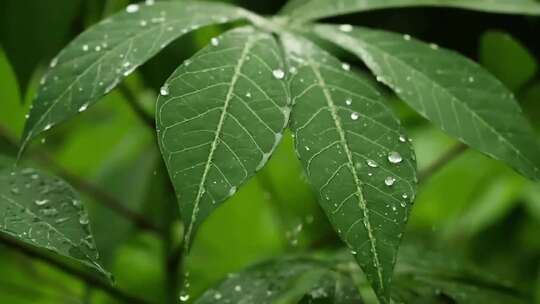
(474, 207)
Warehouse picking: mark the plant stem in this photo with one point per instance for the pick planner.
(442, 161)
(132, 100)
(87, 187)
(173, 249)
(82, 275)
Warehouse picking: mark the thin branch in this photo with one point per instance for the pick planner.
(87, 187)
(82, 275)
(440, 162)
(132, 100)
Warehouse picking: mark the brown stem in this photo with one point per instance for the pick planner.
(89, 279)
(132, 100)
(87, 187)
(440, 162)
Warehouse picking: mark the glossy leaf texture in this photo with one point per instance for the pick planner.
(288, 280)
(432, 277)
(220, 116)
(316, 9)
(355, 154)
(455, 93)
(96, 61)
(46, 212)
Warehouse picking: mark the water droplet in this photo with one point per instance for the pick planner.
(83, 219)
(355, 116)
(54, 62)
(132, 8)
(389, 181)
(47, 127)
(237, 288)
(394, 157)
(143, 23)
(346, 28)
(402, 138)
(348, 101)
(433, 46)
(471, 79)
(214, 41)
(293, 70)
(278, 73)
(232, 191)
(217, 296)
(345, 66)
(405, 195)
(83, 108)
(85, 47)
(372, 163)
(41, 202)
(248, 94)
(98, 48)
(184, 297)
(164, 91)
(149, 2)
(407, 37)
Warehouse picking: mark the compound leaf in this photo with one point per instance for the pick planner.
(356, 157)
(220, 116)
(46, 212)
(316, 9)
(455, 93)
(289, 280)
(96, 61)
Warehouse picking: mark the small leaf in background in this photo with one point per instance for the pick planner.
(317, 9)
(47, 213)
(220, 116)
(433, 277)
(453, 92)
(96, 61)
(507, 59)
(12, 112)
(288, 280)
(355, 154)
(31, 31)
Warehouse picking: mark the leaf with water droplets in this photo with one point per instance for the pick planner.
(347, 162)
(288, 280)
(96, 61)
(221, 118)
(317, 9)
(453, 92)
(46, 212)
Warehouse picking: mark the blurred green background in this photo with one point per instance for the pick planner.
(474, 206)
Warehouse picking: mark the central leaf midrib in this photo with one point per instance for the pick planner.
(213, 147)
(358, 183)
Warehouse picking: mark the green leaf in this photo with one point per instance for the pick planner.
(355, 155)
(303, 10)
(29, 35)
(45, 212)
(220, 116)
(507, 59)
(285, 281)
(96, 61)
(452, 91)
(432, 277)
